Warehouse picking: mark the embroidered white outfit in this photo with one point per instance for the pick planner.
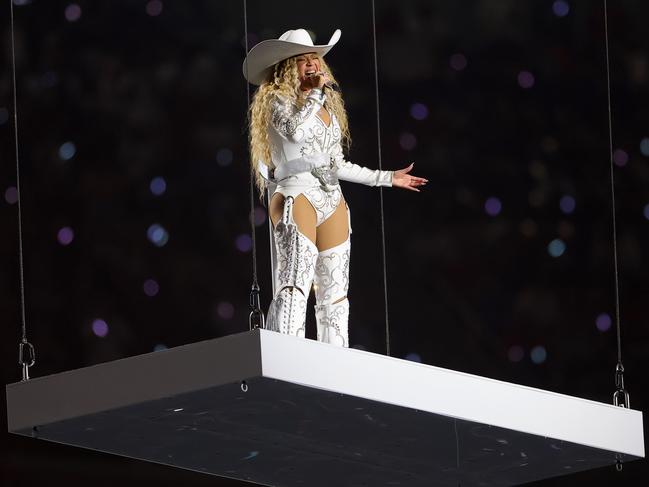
(308, 159)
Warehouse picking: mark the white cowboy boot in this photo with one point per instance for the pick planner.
(296, 258)
(331, 285)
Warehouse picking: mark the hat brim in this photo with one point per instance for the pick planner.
(263, 56)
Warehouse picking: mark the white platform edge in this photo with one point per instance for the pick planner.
(451, 393)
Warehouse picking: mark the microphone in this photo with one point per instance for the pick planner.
(329, 84)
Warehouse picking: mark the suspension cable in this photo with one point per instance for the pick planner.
(26, 353)
(256, 317)
(378, 139)
(621, 396)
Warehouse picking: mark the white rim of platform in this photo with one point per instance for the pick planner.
(450, 393)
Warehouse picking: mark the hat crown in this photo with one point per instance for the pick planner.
(298, 36)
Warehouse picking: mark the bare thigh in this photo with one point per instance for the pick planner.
(335, 230)
(303, 214)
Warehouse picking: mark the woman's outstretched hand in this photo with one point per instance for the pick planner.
(401, 179)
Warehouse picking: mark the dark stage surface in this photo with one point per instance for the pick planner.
(135, 198)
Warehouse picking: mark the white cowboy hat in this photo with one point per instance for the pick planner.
(263, 56)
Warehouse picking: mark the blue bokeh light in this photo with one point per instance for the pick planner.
(158, 186)
(557, 247)
(539, 354)
(561, 8)
(157, 235)
(67, 151)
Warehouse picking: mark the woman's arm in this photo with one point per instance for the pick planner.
(348, 171)
(289, 122)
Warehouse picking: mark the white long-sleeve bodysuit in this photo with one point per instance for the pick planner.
(298, 135)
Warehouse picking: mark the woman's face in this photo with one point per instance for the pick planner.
(307, 64)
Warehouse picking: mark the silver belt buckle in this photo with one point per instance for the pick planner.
(327, 176)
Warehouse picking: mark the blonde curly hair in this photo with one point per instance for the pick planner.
(283, 80)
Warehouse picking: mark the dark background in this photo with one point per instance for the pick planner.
(143, 96)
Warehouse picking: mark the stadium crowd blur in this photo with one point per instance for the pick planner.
(135, 192)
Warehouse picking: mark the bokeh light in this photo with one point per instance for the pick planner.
(225, 310)
(11, 195)
(515, 353)
(154, 8)
(20, 3)
(419, 111)
(646, 211)
(243, 243)
(556, 248)
(158, 186)
(539, 354)
(413, 357)
(65, 236)
(157, 235)
(407, 141)
(567, 204)
(560, 8)
(620, 157)
(458, 61)
(151, 287)
(67, 151)
(493, 206)
(525, 79)
(100, 328)
(260, 216)
(72, 12)
(224, 157)
(529, 228)
(159, 347)
(49, 79)
(4, 115)
(603, 322)
(644, 146)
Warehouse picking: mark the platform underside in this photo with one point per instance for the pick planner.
(289, 434)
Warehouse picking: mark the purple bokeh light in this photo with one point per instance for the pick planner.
(154, 8)
(646, 211)
(65, 236)
(525, 79)
(515, 353)
(603, 322)
(419, 111)
(72, 12)
(493, 206)
(243, 242)
(11, 195)
(458, 61)
(100, 328)
(567, 204)
(225, 310)
(620, 157)
(151, 287)
(560, 8)
(407, 141)
(260, 216)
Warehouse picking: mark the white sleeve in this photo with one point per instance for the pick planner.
(289, 121)
(348, 171)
